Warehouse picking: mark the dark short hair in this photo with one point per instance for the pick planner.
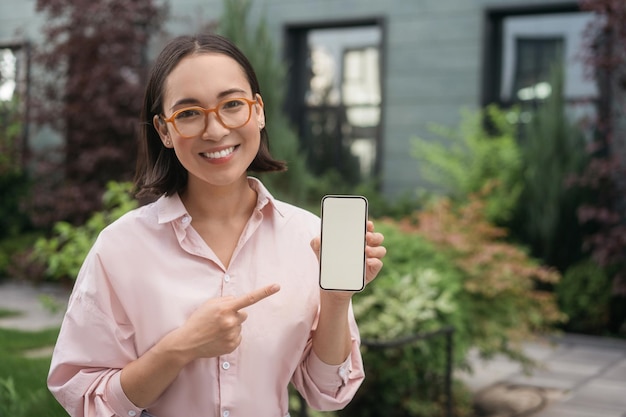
(158, 169)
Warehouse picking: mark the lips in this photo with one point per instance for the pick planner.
(219, 154)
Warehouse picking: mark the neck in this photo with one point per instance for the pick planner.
(223, 203)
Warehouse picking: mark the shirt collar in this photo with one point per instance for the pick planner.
(172, 208)
(264, 198)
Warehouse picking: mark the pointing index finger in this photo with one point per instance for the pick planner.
(255, 296)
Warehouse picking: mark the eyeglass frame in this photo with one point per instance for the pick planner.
(206, 112)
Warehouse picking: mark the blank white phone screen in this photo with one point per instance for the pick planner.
(342, 253)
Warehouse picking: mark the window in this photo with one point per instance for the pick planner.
(526, 46)
(335, 97)
(13, 99)
(535, 59)
(13, 71)
(8, 74)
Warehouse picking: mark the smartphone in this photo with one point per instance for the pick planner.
(342, 252)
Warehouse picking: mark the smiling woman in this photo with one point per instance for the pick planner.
(219, 307)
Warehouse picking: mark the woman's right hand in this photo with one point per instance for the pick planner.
(214, 329)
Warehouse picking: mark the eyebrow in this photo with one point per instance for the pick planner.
(220, 96)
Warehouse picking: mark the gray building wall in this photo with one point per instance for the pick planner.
(433, 56)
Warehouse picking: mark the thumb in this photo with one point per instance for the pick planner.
(315, 245)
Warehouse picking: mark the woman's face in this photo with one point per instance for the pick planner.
(219, 155)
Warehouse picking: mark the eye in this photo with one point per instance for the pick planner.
(187, 113)
(232, 105)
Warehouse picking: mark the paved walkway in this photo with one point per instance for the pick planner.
(581, 376)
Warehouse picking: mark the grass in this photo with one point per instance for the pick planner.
(8, 313)
(23, 390)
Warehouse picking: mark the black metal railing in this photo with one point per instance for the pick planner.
(447, 332)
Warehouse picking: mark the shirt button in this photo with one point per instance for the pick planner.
(185, 218)
(132, 413)
(225, 413)
(227, 278)
(225, 365)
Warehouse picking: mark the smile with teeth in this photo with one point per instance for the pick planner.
(221, 154)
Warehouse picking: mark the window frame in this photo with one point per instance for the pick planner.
(493, 41)
(22, 90)
(295, 54)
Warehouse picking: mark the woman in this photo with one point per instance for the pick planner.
(206, 302)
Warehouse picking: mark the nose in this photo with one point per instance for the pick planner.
(214, 130)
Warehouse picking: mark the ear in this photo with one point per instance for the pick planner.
(260, 116)
(161, 127)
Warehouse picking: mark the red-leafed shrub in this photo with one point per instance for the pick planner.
(90, 71)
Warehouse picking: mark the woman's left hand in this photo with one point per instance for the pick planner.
(374, 252)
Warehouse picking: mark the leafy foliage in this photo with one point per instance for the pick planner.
(449, 267)
(417, 292)
(14, 180)
(63, 253)
(93, 64)
(502, 285)
(553, 150)
(606, 61)
(584, 295)
(463, 160)
(15, 185)
(379, 206)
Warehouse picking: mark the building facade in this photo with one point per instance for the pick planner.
(365, 77)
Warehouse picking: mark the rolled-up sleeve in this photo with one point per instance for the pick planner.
(330, 387)
(118, 401)
(94, 344)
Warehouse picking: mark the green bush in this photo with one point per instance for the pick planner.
(14, 180)
(554, 151)
(12, 249)
(482, 150)
(503, 296)
(380, 205)
(64, 252)
(14, 189)
(584, 295)
(418, 292)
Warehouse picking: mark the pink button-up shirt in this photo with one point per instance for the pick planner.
(150, 269)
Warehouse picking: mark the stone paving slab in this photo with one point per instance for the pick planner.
(571, 410)
(558, 365)
(26, 299)
(547, 379)
(601, 356)
(618, 372)
(602, 392)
